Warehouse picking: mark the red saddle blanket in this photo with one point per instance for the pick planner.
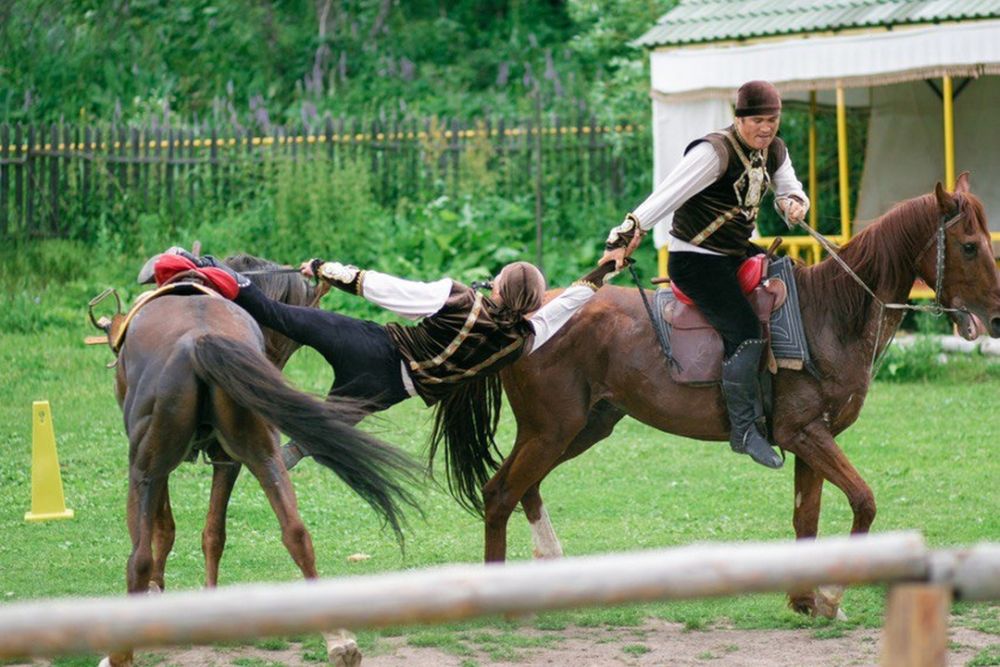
(749, 275)
(168, 267)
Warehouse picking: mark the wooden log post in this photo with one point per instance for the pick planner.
(916, 626)
(454, 592)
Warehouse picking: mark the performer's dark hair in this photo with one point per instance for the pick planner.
(466, 422)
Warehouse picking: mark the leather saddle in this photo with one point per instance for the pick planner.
(116, 326)
(696, 349)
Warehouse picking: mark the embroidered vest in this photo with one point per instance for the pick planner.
(721, 217)
(460, 342)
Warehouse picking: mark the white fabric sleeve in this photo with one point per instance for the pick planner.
(785, 183)
(548, 319)
(409, 298)
(695, 172)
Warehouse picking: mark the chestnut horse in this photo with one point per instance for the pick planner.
(192, 374)
(607, 364)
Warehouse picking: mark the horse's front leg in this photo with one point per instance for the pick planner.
(805, 519)
(824, 456)
(213, 537)
(824, 459)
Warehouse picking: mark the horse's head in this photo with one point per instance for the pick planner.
(971, 282)
(291, 288)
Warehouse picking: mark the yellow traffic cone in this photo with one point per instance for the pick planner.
(46, 484)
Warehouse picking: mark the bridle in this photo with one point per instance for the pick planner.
(936, 309)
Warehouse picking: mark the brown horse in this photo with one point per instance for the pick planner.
(607, 364)
(192, 374)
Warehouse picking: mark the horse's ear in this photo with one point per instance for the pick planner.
(945, 202)
(962, 183)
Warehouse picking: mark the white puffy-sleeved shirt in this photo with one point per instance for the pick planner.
(698, 169)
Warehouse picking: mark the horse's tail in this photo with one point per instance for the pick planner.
(465, 421)
(374, 470)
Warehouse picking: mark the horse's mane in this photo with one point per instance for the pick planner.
(884, 256)
(289, 288)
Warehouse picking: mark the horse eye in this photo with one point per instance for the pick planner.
(969, 250)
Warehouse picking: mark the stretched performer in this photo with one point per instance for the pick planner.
(450, 358)
(714, 194)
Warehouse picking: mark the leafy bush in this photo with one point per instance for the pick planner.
(924, 361)
(24, 312)
(908, 363)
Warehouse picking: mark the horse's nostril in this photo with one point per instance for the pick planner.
(995, 327)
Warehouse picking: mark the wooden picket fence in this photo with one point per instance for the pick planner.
(51, 174)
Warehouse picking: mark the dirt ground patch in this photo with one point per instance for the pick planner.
(654, 643)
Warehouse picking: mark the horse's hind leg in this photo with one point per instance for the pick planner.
(600, 423)
(341, 646)
(247, 438)
(164, 531)
(213, 537)
(146, 494)
(544, 540)
(535, 453)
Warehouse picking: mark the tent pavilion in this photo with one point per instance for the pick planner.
(928, 71)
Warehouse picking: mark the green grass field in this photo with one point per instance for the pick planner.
(928, 450)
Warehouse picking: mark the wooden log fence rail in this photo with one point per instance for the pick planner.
(49, 174)
(922, 585)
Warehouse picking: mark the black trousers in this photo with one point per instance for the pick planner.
(710, 281)
(366, 364)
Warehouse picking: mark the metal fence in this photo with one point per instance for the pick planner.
(51, 174)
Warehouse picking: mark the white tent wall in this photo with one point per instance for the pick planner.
(905, 152)
(977, 143)
(904, 156)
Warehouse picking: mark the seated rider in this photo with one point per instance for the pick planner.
(450, 358)
(714, 194)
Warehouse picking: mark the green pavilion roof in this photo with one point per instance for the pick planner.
(704, 21)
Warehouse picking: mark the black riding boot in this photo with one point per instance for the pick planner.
(746, 411)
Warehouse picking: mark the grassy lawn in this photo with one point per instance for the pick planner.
(927, 450)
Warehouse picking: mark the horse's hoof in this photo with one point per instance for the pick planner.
(104, 663)
(120, 662)
(538, 554)
(154, 589)
(828, 603)
(342, 650)
(805, 605)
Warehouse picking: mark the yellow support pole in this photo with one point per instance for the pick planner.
(949, 133)
(845, 192)
(661, 261)
(47, 500)
(813, 179)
